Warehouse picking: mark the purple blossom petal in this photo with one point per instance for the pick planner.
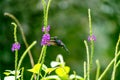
(45, 39)
(15, 46)
(93, 37)
(47, 29)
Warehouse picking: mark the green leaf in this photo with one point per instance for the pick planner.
(62, 71)
(35, 69)
(49, 70)
(7, 73)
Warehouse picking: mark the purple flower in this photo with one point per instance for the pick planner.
(15, 46)
(45, 39)
(47, 29)
(93, 37)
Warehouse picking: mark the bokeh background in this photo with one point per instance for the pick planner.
(69, 21)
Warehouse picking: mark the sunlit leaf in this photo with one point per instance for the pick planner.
(35, 69)
(7, 73)
(62, 71)
(49, 70)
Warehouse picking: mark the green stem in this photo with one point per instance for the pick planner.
(98, 69)
(92, 53)
(108, 67)
(15, 30)
(23, 36)
(115, 62)
(16, 59)
(88, 60)
(42, 58)
(44, 12)
(85, 70)
(41, 54)
(91, 42)
(32, 76)
(47, 10)
(16, 51)
(90, 22)
(44, 48)
(22, 73)
(24, 54)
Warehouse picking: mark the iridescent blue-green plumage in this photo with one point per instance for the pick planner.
(57, 42)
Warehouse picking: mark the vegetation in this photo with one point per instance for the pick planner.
(58, 69)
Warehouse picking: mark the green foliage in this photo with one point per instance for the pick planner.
(61, 70)
(66, 18)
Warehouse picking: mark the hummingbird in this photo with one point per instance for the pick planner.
(57, 42)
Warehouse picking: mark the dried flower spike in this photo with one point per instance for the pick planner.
(93, 37)
(15, 46)
(45, 39)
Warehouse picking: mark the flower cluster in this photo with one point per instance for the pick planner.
(45, 39)
(15, 46)
(46, 36)
(93, 37)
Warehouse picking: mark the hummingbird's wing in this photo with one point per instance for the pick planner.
(52, 42)
(58, 42)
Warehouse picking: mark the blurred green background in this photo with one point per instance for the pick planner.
(69, 21)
